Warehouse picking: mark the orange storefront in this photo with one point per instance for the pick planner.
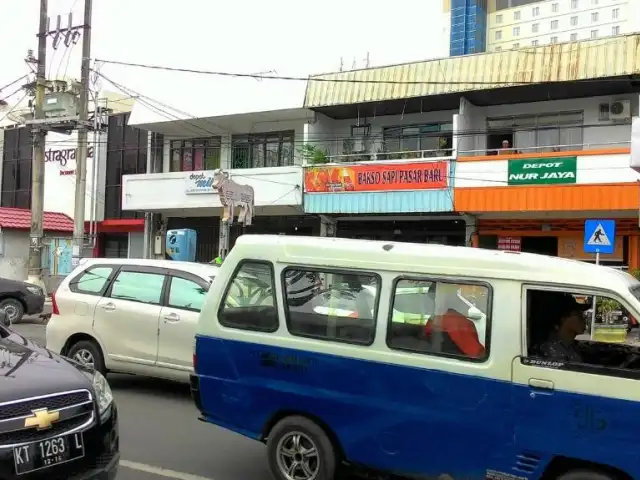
(549, 218)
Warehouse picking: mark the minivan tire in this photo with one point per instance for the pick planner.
(81, 348)
(310, 436)
(583, 474)
(16, 309)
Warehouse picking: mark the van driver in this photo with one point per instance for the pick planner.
(569, 323)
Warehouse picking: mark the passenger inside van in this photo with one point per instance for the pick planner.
(450, 331)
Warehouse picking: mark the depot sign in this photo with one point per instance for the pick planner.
(542, 171)
(199, 182)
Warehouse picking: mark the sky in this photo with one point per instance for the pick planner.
(284, 37)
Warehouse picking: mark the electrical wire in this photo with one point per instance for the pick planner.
(13, 83)
(322, 78)
(13, 108)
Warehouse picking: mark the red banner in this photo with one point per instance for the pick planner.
(376, 178)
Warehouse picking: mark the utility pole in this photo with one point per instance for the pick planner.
(81, 154)
(34, 272)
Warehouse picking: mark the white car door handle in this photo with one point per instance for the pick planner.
(109, 307)
(172, 317)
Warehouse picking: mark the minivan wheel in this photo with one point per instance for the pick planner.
(88, 353)
(13, 309)
(299, 449)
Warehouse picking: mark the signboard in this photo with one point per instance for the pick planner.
(510, 244)
(542, 171)
(599, 236)
(233, 195)
(199, 182)
(377, 178)
(572, 247)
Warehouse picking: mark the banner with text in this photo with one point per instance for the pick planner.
(376, 178)
(543, 171)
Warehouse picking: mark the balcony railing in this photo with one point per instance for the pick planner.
(516, 150)
(378, 156)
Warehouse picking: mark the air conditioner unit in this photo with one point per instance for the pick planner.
(620, 110)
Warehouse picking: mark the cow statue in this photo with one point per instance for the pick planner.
(233, 195)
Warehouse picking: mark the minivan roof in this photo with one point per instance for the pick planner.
(428, 259)
(201, 269)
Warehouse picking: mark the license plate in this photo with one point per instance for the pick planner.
(47, 453)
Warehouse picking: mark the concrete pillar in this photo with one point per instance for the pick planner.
(327, 226)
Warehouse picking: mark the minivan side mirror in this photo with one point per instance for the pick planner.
(475, 313)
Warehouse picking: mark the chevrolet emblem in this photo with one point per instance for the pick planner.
(42, 419)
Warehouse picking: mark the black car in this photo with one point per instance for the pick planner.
(20, 298)
(58, 420)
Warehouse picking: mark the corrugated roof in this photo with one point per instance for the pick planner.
(563, 62)
(20, 219)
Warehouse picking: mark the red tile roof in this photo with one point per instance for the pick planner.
(20, 219)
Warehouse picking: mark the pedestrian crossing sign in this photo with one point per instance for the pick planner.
(599, 236)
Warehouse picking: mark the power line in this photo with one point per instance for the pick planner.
(335, 80)
(13, 83)
(12, 108)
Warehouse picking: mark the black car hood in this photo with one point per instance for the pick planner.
(28, 370)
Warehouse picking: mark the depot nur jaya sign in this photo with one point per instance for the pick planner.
(542, 171)
(376, 178)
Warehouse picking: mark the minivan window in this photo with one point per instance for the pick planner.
(249, 302)
(138, 286)
(334, 306)
(186, 294)
(91, 281)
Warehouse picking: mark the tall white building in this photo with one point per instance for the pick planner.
(492, 25)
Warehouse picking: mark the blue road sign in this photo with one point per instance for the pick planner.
(599, 236)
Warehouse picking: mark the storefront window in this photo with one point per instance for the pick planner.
(554, 132)
(195, 154)
(263, 150)
(418, 141)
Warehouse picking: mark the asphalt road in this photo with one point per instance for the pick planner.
(161, 437)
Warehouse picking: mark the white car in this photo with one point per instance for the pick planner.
(130, 315)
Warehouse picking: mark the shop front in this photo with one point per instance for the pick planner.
(539, 204)
(190, 200)
(390, 200)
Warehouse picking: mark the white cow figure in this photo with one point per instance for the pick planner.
(233, 195)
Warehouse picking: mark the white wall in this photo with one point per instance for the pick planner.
(626, 21)
(596, 133)
(590, 169)
(60, 178)
(273, 187)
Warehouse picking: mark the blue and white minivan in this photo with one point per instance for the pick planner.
(301, 345)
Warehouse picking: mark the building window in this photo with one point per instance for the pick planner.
(537, 133)
(499, 19)
(573, 37)
(594, 17)
(195, 154)
(17, 153)
(516, 46)
(534, 43)
(516, 31)
(574, 4)
(498, 34)
(535, 11)
(126, 155)
(615, 30)
(594, 34)
(535, 27)
(263, 150)
(516, 15)
(615, 13)
(594, 2)
(419, 140)
(553, 40)
(574, 21)
(554, 24)
(555, 7)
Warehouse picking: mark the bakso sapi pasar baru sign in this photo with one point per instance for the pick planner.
(376, 178)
